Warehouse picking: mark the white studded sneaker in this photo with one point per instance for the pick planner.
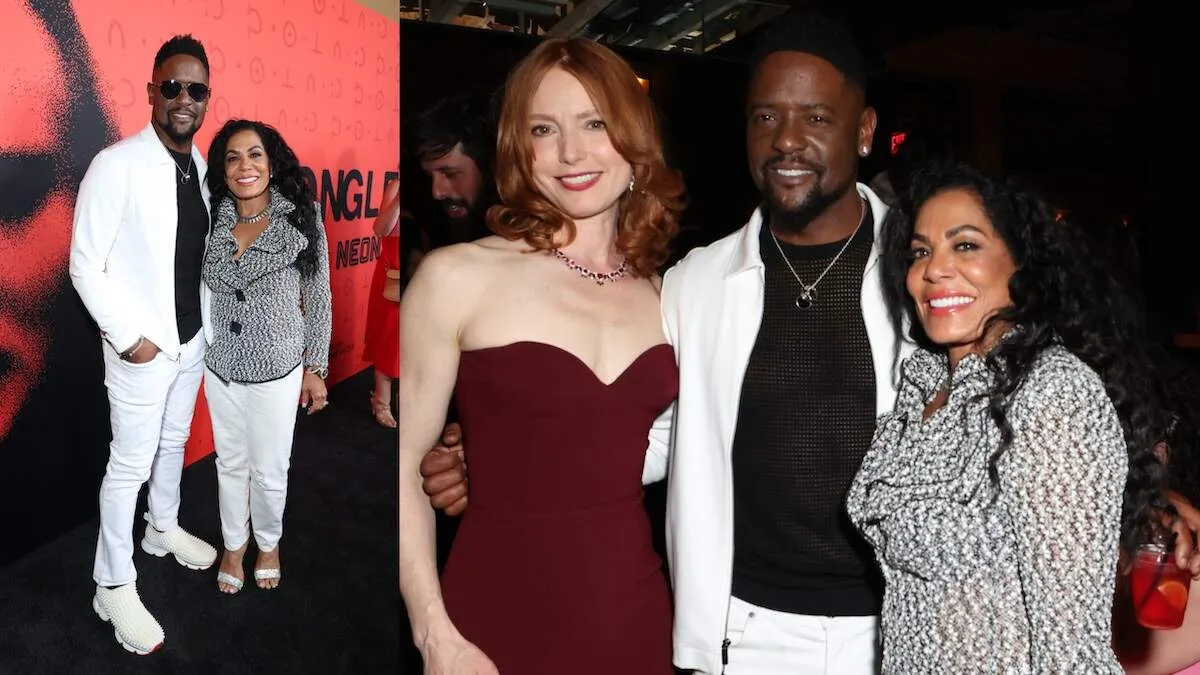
(135, 628)
(190, 551)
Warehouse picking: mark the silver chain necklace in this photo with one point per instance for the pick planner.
(808, 293)
(597, 277)
(249, 220)
(184, 176)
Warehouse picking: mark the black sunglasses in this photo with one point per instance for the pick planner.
(171, 89)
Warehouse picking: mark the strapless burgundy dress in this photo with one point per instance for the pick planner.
(552, 571)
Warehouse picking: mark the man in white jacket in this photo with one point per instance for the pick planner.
(140, 227)
(786, 355)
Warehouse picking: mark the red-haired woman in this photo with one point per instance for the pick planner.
(551, 332)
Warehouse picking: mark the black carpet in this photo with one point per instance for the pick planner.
(336, 609)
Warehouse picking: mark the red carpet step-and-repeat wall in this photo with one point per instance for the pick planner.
(73, 77)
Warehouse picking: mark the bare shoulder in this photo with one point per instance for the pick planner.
(498, 256)
(464, 269)
(444, 262)
(444, 273)
(500, 247)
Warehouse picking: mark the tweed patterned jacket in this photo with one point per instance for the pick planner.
(266, 317)
(1012, 573)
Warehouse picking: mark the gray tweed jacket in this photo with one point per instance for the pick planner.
(266, 317)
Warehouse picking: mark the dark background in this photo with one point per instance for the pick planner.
(1058, 117)
(1076, 107)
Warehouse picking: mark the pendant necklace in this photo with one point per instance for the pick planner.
(808, 292)
(184, 176)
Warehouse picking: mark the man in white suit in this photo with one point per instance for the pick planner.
(141, 222)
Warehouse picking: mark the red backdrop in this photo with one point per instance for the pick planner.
(324, 72)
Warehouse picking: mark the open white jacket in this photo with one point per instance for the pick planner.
(712, 304)
(123, 242)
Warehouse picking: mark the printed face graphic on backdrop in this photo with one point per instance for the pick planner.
(51, 124)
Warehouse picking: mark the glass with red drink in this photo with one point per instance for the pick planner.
(1160, 588)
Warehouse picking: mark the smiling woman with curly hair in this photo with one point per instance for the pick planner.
(266, 283)
(1020, 462)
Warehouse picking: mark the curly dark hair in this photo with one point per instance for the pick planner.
(286, 176)
(1061, 293)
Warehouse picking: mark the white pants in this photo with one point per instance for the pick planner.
(253, 427)
(767, 642)
(150, 409)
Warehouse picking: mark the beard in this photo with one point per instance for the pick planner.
(795, 219)
(469, 225)
(457, 209)
(178, 135)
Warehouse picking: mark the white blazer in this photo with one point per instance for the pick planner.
(712, 304)
(123, 241)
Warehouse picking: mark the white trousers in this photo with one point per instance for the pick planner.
(767, 642)
(253, 427)
(150, 409)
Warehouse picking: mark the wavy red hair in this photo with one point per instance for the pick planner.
(649, 215)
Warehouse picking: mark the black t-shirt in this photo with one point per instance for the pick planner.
(189, 246)
(805, 422)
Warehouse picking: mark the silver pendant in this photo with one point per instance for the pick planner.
(806, 298)
(185, 178)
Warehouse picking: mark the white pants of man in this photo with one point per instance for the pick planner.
(767, 642)
(253, 427)
(150, 409)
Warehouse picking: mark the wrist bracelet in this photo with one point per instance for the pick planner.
(320, 371)
(133, 350)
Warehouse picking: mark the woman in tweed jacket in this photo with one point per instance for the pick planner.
(266, 275)
(1019, 463)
